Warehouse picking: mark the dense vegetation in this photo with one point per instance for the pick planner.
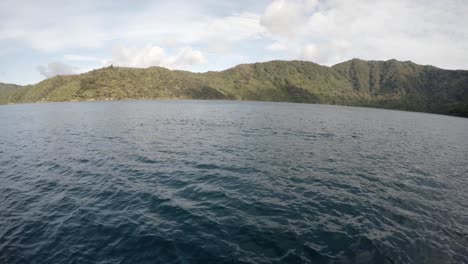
(6, 91)
(386, 84)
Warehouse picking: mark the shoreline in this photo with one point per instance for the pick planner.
(226, 100)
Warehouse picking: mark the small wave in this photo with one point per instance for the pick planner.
(251, 184)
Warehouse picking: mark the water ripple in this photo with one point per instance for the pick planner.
(217, 182)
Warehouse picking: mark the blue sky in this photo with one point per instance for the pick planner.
(40, 39)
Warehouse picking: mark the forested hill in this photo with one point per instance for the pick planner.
(6, 91)
(385, 84)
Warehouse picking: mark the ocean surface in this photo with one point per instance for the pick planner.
(231, 182)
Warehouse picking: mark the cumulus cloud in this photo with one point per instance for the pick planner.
(56, 68)
(186, 57)
(221, 33)
(309, 52)
(332, 51)
(238, 26)
(328, 32)
(231, 32)
(285, 17)
(152, 55)
(95, 24)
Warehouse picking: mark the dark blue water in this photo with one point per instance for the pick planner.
(231, 182)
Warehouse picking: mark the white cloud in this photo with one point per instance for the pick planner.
(333, 51)
(156, 56)
(285, 17)
(93, 25)
(309, 52)
(74, 57)
(186, 57)
(56, 68)
(47, 28)
(217, 34)
(237, 27)
(222, 33)
(324, 31)
(427, 32)
(277, 46)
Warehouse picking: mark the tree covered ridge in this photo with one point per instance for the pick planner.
(6, 91)
(385, 84)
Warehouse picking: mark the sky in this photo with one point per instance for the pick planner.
(41, 39)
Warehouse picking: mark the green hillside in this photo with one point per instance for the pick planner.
(384, 84)
(6, 91)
